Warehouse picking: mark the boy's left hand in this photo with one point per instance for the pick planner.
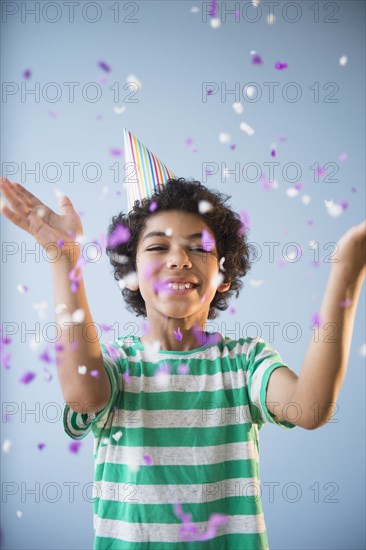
(349, 261)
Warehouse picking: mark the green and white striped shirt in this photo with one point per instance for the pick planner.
(182, 429)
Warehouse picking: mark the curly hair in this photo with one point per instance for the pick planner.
(182, 194)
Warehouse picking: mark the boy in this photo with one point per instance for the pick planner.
(175, 414)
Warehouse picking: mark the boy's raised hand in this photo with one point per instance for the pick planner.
(30, 214)
(350, 258)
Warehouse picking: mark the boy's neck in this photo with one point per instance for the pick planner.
(176, 334)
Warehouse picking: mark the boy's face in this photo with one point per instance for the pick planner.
(176, 254)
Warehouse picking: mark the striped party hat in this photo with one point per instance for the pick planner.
(145, 173)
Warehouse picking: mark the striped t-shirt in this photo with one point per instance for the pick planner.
(180, 427)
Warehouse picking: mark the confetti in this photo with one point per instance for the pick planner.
(115, 152)
(45, 357)
(152, 351)
(49, 375)
(168, 232)
(280, 66)
(194, 9)
(27, 377)
(121, 234)
(315, 319)
(246, 128)
(74, 446)
(245, 222)
(238, 107)
(257, 60)
(271, 18)
(41, 309)
(148, 460)
(130, 280)
(232, 310)
(153, 206)
(189, 532)
(345, 303)
(183, 368)
(7, 446)
(41, 446)
(78, 316)
(362, 350)
(119, 110)
(178, 334)
(221, 264)
(343, 157)
(305, 199)
(117, 436)
(95, 373)
(215, 23)
(213, 8)
(343, 60)
(204, 207)
(27, 74)
(82, 369)
(104, 66)
(22, 289)
(224, 138)
(207, 240)
(19, 514)
(132, 78)
(334, 209)
(255, 283)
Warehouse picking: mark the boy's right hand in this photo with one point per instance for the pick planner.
(47, 227)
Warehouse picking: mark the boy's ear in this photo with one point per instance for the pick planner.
(223, 287)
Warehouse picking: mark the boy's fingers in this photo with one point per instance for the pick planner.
(32, 200)
(14, 217)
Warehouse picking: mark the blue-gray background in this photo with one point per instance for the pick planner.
(172, 51)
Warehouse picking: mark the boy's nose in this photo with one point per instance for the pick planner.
(178, 258)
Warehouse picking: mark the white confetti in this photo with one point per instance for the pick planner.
(334, 210)
(238, 107)
(7, 446)
(271, 18)
(224, 138)
(255, 283)
(41, 309)
(292, 192)
(22, 289)
(105, 440)
(204, 206)
(247, 129)
(250, 91)
(19, 514)
(152, 351)
(221, 264)
(130, 280)
(168, 232)
(194, 9)
(33, 344)
(305, 199)
(119, 110)
(343, 60)
(132, 78)
(59, 193)
(82, 369)
(78, 316)
(41, 212)
(217, 280)
(60, 307)
(215, 22)
(255, 3)
(362, 350)
(117, 436)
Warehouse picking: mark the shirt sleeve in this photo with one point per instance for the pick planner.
(78, 425)
(261, 361)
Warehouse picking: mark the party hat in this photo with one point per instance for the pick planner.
(145, 173)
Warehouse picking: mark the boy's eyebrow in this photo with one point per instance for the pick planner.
(161, 234)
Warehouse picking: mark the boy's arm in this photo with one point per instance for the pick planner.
(315, 391)
(83, 393)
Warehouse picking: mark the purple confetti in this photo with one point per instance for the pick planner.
(27, 74)
(232, 310)
(207, 241)
(343, 157)
(126, 376)
(5, 360)
(316, 319)
(346, 303)
(27, 377)
(120, 235)
(257, 60)
(153, 206)
(280, 66)
(245, 222)
(183, 368)
(104, 66)
(41, 446)
(45, 357)
(178, 335)
(95, 373)
(273, 153)
(148, 460)
(115, 152)
(112, 351)
(74, 446)
(233, 146)
(189, 532)
(213, 8)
